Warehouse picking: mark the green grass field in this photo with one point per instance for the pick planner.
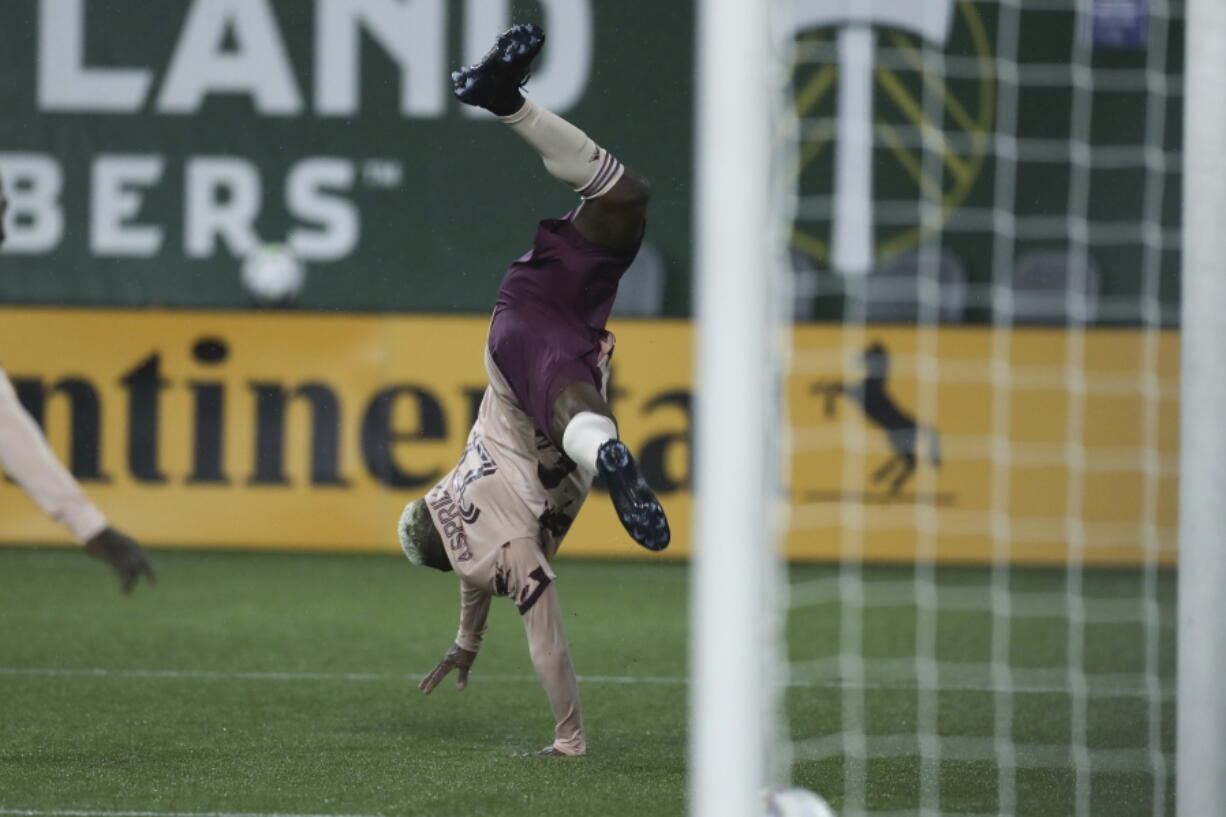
(251, 683)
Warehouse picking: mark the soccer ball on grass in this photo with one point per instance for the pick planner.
(795, 802)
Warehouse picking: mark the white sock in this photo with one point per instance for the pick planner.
(584, 435)
(569, 154)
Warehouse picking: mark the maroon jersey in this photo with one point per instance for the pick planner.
(550, 316)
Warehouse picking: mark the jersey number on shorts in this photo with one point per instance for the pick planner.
(538, 580)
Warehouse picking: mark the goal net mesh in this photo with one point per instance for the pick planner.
(983, 399)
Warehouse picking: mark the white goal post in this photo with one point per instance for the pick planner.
(1201, 720)
(736, 418)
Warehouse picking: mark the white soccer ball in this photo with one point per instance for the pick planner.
(273, 274)
(796, 802)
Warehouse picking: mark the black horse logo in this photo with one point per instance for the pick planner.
(900, 428)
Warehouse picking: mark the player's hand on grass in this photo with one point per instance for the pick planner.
(456, 658)
(124, 555)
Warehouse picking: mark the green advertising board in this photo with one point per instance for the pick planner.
(1016, 142)
(148, 147)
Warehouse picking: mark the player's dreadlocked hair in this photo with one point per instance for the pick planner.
(419, 538)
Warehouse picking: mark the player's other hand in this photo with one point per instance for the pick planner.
(456, 658)
(122, 553)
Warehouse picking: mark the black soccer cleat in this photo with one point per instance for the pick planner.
(636, 505)
(494, 82)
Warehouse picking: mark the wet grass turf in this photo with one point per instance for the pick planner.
(279, 683)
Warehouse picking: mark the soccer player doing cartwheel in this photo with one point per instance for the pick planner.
(544, 429)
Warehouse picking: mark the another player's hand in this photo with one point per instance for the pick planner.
(123, 554)
(456, 658)
(548, 751)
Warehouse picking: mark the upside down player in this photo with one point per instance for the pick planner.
(27, 458)
(544, 428)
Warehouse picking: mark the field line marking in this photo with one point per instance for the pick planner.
(220, 675)
(13, 812)
(621, 680)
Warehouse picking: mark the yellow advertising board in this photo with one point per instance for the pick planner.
(292, 430)
(309, 430)
(1032, 445)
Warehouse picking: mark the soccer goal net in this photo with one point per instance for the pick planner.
(981, 391)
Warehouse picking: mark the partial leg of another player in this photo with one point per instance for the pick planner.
(28, 459)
